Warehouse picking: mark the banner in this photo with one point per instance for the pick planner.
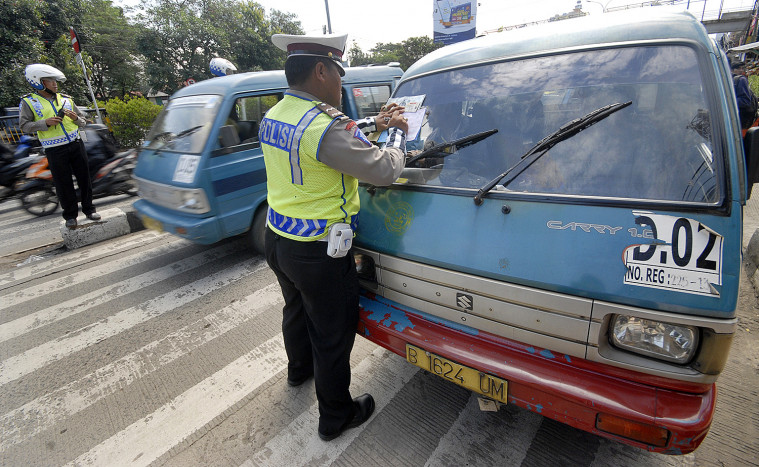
(453, 20)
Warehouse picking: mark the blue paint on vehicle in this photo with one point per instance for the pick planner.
(547, 354)
(385, 312)
(566, 357)
(539, 408)
(531, 349)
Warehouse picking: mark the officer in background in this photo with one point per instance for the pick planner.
(314, 157)
(57, 121)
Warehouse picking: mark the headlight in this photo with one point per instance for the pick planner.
(665, 341)
(193, 201)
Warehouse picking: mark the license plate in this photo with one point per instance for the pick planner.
(152, 224)
(477, 381)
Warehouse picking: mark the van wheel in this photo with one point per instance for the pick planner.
(258, 230)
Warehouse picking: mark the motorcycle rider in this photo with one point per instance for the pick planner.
(57, 121)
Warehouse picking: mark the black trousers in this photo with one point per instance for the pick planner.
(66, 161)
(319, 320)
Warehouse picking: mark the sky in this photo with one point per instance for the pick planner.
(374, 21)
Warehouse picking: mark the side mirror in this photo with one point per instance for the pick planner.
(228, 136)
(751, 152)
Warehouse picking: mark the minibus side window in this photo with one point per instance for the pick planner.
(369, 99)
(244, 118)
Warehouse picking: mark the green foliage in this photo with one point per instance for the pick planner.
(108, 44)
(178, 38)
(157, 49)
(131, 119)
(753, 83)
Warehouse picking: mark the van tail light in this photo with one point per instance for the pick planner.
(642, 432)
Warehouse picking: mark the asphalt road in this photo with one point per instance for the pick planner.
(149, 350)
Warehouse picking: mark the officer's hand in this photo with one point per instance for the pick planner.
(398, 121)
(386, 112)
(52, 121)
(70, 114)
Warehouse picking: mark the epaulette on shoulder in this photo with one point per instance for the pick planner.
(64, 95)
(329, 110)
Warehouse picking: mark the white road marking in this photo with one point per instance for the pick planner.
(146, 440)
(468, 431)
(84, 255)
(30, 322)
(299, 443)
(42, 413)
(42, 355)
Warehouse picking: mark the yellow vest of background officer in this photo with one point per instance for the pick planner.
(43, 109)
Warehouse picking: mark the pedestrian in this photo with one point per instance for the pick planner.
(57, 121)
(747, 103)
(314, 157)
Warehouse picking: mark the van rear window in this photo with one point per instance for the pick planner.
(658, 148)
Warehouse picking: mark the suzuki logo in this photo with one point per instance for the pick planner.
(464, 301)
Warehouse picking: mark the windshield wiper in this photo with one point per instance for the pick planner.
(446, 149)
(173, 137)
(565, 132)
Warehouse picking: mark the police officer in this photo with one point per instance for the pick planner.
(57, 121)
(314, 157)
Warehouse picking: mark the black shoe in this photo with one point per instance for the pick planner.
(93, 216)
(364, 409)
(294, 382)
(70, 223)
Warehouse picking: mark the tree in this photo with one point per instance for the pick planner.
(251, 48)
(19, 45)
(108, 45)
(357, 56)
(178, 38)
(414, 48)
(407, 52)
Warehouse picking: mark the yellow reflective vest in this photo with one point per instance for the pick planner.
(43, 109)
(305, 196)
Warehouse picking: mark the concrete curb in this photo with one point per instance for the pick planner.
(114, 222)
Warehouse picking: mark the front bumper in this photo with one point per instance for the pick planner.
(567, 389)
(199, 230)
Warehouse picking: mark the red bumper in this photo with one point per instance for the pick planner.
(571, 390)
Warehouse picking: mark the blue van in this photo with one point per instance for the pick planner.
(201, 172)
(567, 236)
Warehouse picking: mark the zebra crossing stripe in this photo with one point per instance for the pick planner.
(50, 266)
(40, 356)
(80, 304)
(44, 412)
(146, 440)
(380, 375)
(55, 285)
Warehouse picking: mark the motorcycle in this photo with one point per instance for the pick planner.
(110, 174)
(14, 165)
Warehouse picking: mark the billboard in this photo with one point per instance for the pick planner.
(453, 20)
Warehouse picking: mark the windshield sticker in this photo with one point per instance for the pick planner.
(674, 253)
(186, 168)
(411, 103)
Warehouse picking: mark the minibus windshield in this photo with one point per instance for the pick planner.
(184, 124)
(657, 148)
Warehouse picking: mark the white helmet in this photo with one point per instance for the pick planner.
(222, 67)
(34, 74)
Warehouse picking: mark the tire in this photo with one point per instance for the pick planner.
(130, 187)
(40, 202)
(257, 230)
